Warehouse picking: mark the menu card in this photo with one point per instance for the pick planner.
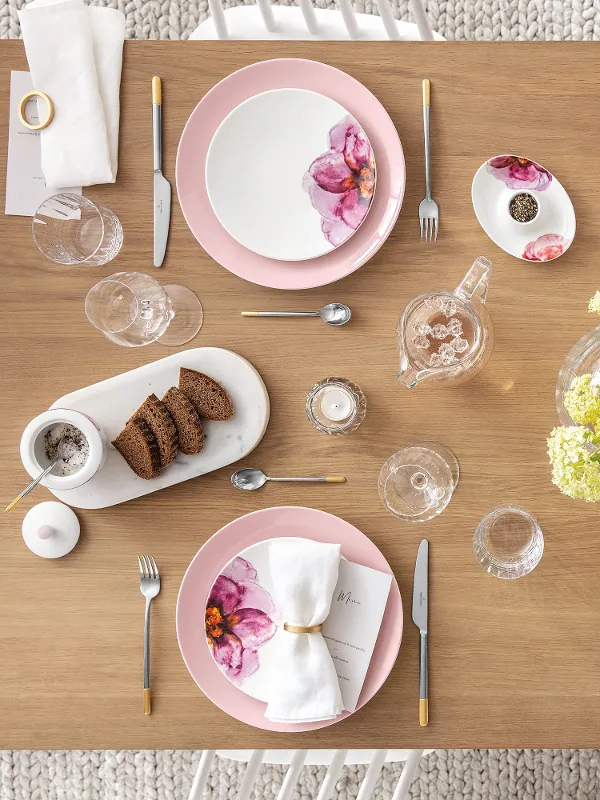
(26, 188)
(352, 627)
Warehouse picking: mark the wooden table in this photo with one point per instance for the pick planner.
(513, 664)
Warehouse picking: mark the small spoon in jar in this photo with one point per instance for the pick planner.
(33, 484)
(250, 479)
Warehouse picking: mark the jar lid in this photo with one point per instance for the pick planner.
(51, 529)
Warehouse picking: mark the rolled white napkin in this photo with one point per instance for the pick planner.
(303, 683)
(75, 55)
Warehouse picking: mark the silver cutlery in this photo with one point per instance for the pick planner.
(149, 587)
(419, 615)
(162, 187)
(32, 485)
(428, 209)
(332, 314)
(250, 479)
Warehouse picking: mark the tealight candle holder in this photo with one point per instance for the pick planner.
(336, 406)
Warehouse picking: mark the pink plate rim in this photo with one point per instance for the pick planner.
(349, 93)
(216, 553)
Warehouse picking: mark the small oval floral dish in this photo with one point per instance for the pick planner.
(290, 174)
(523, 208)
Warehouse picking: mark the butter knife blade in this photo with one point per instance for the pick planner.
(162, 216)
(420, 588)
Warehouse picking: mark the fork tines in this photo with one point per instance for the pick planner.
(148, 568)
(429, 229)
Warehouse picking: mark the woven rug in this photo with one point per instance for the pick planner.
(454, 19)
(168, 775)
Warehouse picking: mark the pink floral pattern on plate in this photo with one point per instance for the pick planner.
(341, 182)
(519, 173)
(238, 620)
(545, 248)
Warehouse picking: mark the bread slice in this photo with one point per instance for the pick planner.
(138, 446)
(187, 421)
(207, 396)
(156, 414)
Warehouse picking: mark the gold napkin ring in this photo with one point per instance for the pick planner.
(301, 628)
(49, 114)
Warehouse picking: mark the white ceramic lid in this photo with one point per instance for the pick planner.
(51, 529)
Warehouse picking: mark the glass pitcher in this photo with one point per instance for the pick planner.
(447, 336)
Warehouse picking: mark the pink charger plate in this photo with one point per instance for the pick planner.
(208, 562)
(280, 74)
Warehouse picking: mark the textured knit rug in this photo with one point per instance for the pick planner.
(471, 774)
(454, 19)
(168, 775)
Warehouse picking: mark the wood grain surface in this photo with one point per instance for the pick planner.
(512, 664)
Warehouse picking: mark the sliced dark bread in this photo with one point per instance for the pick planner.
(207, 396)
(187, 421)
(138, 446)
(156, 414)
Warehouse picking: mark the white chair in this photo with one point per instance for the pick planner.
(304, 22)
(296, 759)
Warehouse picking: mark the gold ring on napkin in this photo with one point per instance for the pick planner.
(301, 628)
(49, 116)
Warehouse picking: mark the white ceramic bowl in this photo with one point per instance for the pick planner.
(544, 238)
(33, 453)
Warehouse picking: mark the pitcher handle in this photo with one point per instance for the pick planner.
(476, 281)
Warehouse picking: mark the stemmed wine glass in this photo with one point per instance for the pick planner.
(417, 483)
(132, 309)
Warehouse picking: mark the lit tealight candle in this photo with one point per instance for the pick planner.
(337, 404)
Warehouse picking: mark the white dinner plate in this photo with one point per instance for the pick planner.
(290, 174)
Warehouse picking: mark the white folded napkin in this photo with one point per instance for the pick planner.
(303, 683)
(75, 55)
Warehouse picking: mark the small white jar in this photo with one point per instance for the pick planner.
(535, 196)
(33, 447)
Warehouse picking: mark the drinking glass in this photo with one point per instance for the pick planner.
(132, 309)
(508, 542)
(417, 483)
(70, 229)
(336, 406)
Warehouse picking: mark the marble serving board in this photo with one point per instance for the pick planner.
(111, 403)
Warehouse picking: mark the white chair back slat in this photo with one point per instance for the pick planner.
(332, 775)
(267, 15)
(201, 777)
(389, 23)
(250, 774)
(218, 15)
(409, 770)
(310, 18)
(372, 774)
(422, 20)
(292, 775)
(349, 18)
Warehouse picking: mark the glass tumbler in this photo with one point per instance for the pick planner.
(132, 309)
(417, 483)
(70, 229)
(508, 542)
